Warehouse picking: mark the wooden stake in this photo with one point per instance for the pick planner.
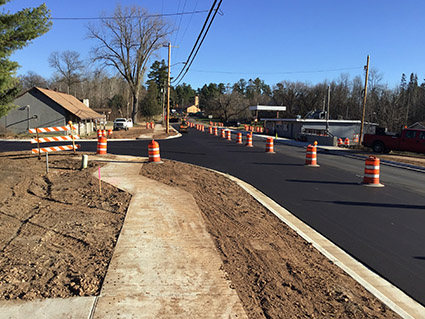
(38, 144)
(72, 136)
(47, 162)
(100, 184)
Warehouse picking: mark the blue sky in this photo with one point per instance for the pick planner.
(305, 40)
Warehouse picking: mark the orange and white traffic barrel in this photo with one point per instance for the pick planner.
(356, 138)
(249, 140)
(148, 125)
(102, 145)
(269, 145)
(110, 132)
(215, 131)
(99, 133)
(311, 156)
(239, 138)
(223, 133)
(202, 128)
(210, 130)
(152, 124)
(340, 142)
(371, 172)
(229, 135)
(347, 142)
(104, 133)
(153, 151)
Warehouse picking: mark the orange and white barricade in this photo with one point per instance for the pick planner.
(39, 140)
(215, 131)
(311, 156)
(229, 135)
(239, 138)
(249, 140)
(371, 172)
(340, 142)
(99, 133)
(269, 145)
(153, 152)
(102, 145)
(356, 138)
(210, 130)
(223, 133)
(347, 142)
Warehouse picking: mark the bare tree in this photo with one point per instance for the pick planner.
(32, 79)
(230, 105)
(126, 42)
(68, 65)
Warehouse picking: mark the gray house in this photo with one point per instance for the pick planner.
(46, 108)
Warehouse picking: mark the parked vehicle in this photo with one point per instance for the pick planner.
(120, 124)
(129, 123)
(411, 140)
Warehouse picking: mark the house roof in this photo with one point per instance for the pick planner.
(71, 104)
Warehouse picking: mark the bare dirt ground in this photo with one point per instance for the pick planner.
(57, 231)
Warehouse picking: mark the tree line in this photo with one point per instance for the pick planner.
(392, 108)
(389, 107)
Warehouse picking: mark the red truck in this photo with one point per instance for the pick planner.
(410, 140)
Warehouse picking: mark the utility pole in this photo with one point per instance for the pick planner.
(163, 102)
(364, 100)
(167, 129)
(327, 111)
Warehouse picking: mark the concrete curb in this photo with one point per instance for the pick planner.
(389, 294)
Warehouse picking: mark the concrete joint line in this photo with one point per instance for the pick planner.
(389, 294)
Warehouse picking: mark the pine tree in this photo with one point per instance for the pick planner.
(150, 106)
(17, 30)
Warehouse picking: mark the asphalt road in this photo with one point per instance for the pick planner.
(384, 228)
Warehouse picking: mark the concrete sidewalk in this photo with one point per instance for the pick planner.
(165, 264)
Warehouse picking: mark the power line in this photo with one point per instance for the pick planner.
(283, 72)
(199, 36)
(196, 47)
(187, 26)
(148, 16)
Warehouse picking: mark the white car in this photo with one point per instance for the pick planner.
(129, 123)
(121, 124)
